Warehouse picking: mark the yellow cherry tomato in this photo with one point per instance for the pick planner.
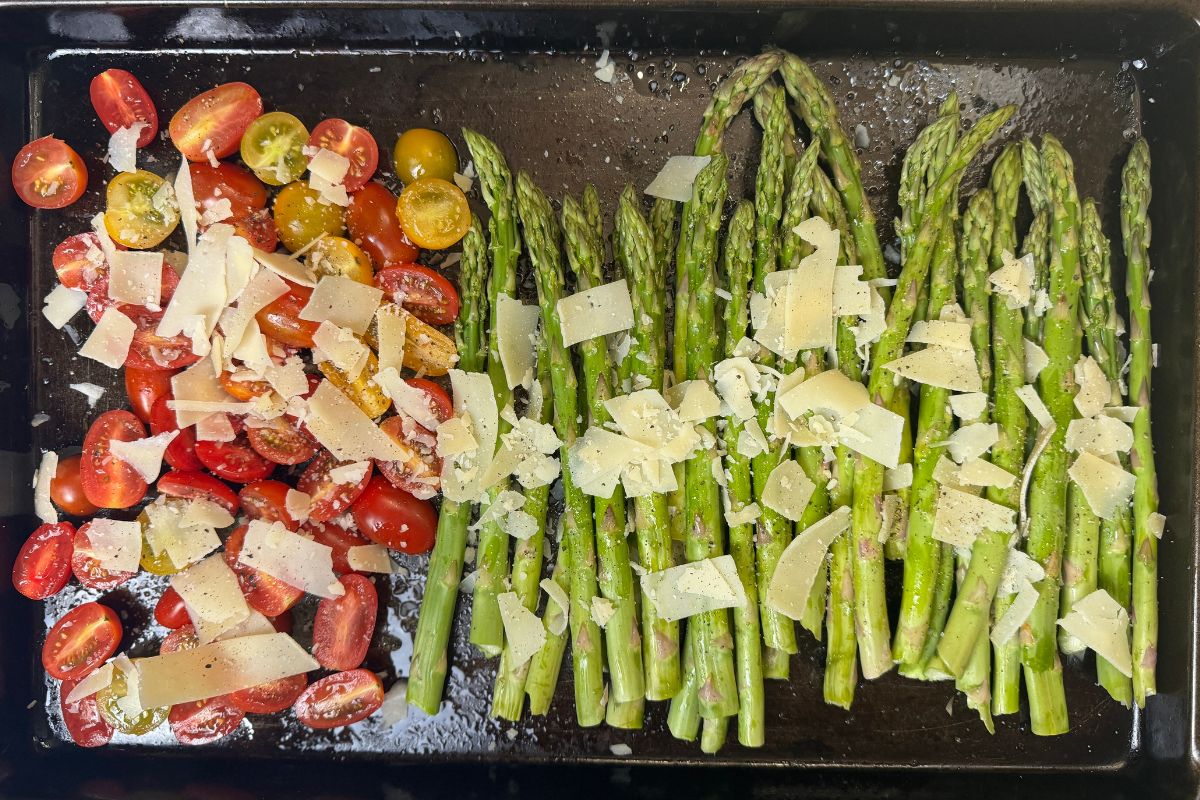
(107, 700)
(434, 213)
(421, 153)
(337, 255)
(272, 147)
(301, 217)
(159, 564)
(141, 209)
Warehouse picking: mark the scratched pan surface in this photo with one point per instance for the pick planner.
(1094, 78)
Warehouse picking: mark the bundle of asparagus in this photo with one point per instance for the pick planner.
(1019, 489)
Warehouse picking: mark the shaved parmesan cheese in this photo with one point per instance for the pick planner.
(1102, 624)
(945, 367)
(737, 381)
(1102, 435)
(521, 525)
(646, 417)
(1106, 486)
(598, 458)
(122, 147)
(594, 312)
(1037, 409)
(42, 506)
(455, 436)
(961, 516)
(829, 393)
(945, 472)
(287, 266)
(352, 473)
(109, 342)
(289, 557)
(201, 291)
(409, 400)
(747, 515)
(752, 441)
(395, 705)
(185, 541)
(212, 596)
(674, 181)
(851, 296)
(62, 304)
(288, 380)
(555, 623)
(796, 309)
(186, 198)
(1019, 569)
(898, 478)
(218, 668)
(100, 678)
(218, 211)
(1156, 523)
(463, 473)
(526, 451)
(297, 504)
(969, 406)
(135, 276)
(115, 544)
(89, 390)
(255, 624)
(690, 589)
(516, 334)
(390, 325)
(523, 631)
(602, 610)
(327, 171)
(972, 441)
(874, 432)
(955, 335)
(1094, 389)
(342, 348)
(694, 401)
(800, 563)
(369, 558)
(1036, 360)
(1006, 627)
(1014, 280)
(263, 289)
(978, 472)
(343, 429)
(871, 326)
(144, 455)
(788, 490)
(344, 302)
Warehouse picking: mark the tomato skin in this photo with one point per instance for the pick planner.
(339, 539)
(43, 565)
(181, 452)
(143, 387)
(81, 641)
(394, 518)
(329, 499)
(421, 291)
(170, 612)
(243, 390)
(181, 638)
(85, 723)
(194, 485)
(373, 225)
(234, 461)
(270, 596)
(270, 698)
(280, 319)
(355, 143)
(47, 173)
(109, 482)
(218, 118)
(66, 488)
(343, 626)
(421, 152)
(283, 441)
(204, 721)
(266, 500)
(440, 403)
(88, 570)
(71, 264)
(120, 100)
(340, 699)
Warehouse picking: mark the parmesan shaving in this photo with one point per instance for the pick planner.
(788, 490)
(516, 335)
(945, 367)
(62, 304)
(800, 563)
(972, 441)
(1094, 389)
(556, 624)
(343, 429)
(1006, 627)
(595, 312)
(369, 558)
(961, 516)
(969, 406)
(344, 302)
(144, 455)
(1106, 486)
(978, 472)
(391, 327)
(1102, 624)
(954, 335)
(1036, 360)
(1101, 435)
(523, 631)
(212, 596)
(109, 342)
(115, 544)
(273, 549)
(674, 181)
(900, 477)
(1037, 409)
(42, 506)
(693, 588)
(1014, 280)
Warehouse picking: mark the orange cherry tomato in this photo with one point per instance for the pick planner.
(394, 518)
(343, 626)
(434, 213)
(243, 390)
(120, 101)
(47, 173)
(109, 482)
(280, 319)
(340, 699)
(143, 387)
(355, 143)
(88, 570)
(212, 123)
(329, 499)
(66, 488)
(81, 641)
(373, 225)
(43, 565)
(282, 441)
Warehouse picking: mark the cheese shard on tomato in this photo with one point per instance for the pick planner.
(201, 290)
(340, 347)
(198, 393)
(595, 312)
(288, 379)
(42, 505)
(327, 172)
(392, 329)
(115, 544)
(144, 455)
(344, 302)
(212, 596)
(800, 563)
(343, 429)
(100, 678)
(62, 304)
(351, 473)
(297, 504)
(135, 276)
(215, 669)
(516, 338)
(263, 289)
(369, 558)
(287, 266)
(109, 342)
(291, 558)
(170, 530)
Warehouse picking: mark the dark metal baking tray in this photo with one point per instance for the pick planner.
(1094, 73)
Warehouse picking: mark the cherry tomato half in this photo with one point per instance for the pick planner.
(120, 101)
(43, 565)
(213, 122)
(339, 540)
(421, 291)
(85, 723)
(373, 225)
(272, 146)
(270, 698)
(47, 173)
(420, 474)
(280, 319)
(81, 641)
(108, 699)
(336, 255)
(198, 486)
(181, 638)
(343, 626)
(143, 387)
(282, 441)
(204, 721)
(170, 612)
(141, 209)
(434, 213)
(247, 201)
(301, 217)
(421, 152)
(270, 596)
(355, 143)
(234, 461)
(329, 499)
(243, 390)
(340, 699)
(109, 482)
(181, 452)
(394, 518)
(66, 488)
(267, 500)
(78, 261)
(88, 569)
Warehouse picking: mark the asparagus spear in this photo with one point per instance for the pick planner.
(1103, 325)
(729, 98)
(663, 216)
(1135, 230)
(542, 241)
(427, 673)
(747, 646)
(544, 667)
(1037, 240)
(616, 577)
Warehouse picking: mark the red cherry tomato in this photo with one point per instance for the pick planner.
(204, 721)
(198, 486)
(355, 143)
(85, 723)
(280, 319)
(429, 296)
(149, 351)
(47, 173)
(81, 641)
(268, 595)
(234, 461)
(282, 623)
(421, 474)
(120, 101)
(343, 626)
(270, 698)
(394, 518)
(108, 481)
(340, 699)
(88, 569)
(181, 452)
(338, 538)
(98, 300)
(143, 387)
(169, 611)
(266, 500)
(43, 565)
(439, 402)
(329, 499)
(243, 390)
(247, 198)
(373, 225)
(74, 268)
(282, 441)
(66, 488)
(213, 122)
(183, 638)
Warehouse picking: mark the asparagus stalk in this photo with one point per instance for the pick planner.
(542, 241)
(729, 98)
(427, 673)
(747, 644)
(663, 217)
(636, 249)
(1037, 240)
(1135, 230)
(683, 715)
(546, 664)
